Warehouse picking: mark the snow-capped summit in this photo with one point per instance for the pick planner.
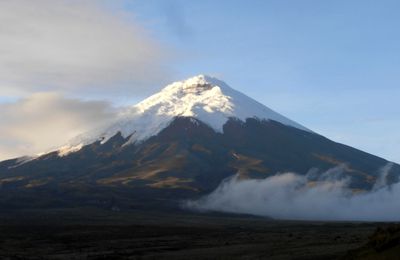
(209, 100)
(178, 144)
(202, 97)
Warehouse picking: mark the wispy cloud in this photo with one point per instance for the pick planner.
(75, 47)
(54, 50)
(47, 120)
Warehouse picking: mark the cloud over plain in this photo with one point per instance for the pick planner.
(304, 197)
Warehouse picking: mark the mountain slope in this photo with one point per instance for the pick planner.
(186, 155)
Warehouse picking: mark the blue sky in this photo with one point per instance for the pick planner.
(332, 66)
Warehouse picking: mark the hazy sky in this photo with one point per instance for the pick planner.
(333, 66)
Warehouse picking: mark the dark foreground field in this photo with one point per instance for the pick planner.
(96, 234)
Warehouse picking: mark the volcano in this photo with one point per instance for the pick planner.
(178, 144)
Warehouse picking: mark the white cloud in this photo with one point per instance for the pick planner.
(75, 46)
(47, 120)
(302, 197)
(51, 49)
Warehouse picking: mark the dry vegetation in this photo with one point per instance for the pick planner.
(99, 234)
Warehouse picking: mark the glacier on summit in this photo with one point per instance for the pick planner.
(202, 97)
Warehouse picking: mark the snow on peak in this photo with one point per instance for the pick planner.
(202, 97)
(209, 100)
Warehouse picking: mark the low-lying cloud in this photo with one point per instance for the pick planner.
(47, 120)
(305, 197)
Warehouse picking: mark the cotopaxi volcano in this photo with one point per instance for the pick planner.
(179, 144)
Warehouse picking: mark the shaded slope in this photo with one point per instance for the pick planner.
(187, 159)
